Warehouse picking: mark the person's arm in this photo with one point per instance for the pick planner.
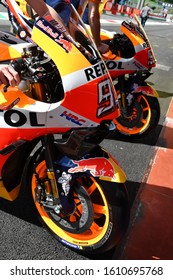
(8, 75)
(44, 10)
(39, 6)
(94, 22)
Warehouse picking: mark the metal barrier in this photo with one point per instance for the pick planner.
(128, 11)
(121, 9)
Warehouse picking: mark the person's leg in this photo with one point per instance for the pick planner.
(85, 16)
(142, 21)
(145, 19)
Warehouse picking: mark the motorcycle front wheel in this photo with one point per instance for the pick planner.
(141, 118)
(100, 217)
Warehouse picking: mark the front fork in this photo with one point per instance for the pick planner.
(134, 84)
(123, 104)
(47, 191)
(50, 170)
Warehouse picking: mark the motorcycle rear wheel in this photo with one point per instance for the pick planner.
(144, 118)
(99, 221)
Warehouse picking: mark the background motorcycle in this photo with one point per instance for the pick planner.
(129, 68)
(77, 187)
(134, 59)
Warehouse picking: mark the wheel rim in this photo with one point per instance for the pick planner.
(144, 120)
(100, 223)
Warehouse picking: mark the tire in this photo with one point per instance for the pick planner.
(99, 221)
(143, 118)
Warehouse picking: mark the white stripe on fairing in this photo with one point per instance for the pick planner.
(78, 78)
(74, 80)
(51, 116)
(62, 121)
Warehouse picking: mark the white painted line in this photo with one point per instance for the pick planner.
(163, 67)
(3, 16)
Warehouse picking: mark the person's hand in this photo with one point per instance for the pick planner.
(103, 48)
(105, 51)
(8, 75)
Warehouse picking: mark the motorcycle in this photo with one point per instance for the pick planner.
(76, 187)
(134, 59)
(130, 64)
(130, 61)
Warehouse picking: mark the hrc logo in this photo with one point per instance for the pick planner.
(70, 117)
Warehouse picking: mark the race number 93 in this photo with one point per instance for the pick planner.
(106, 100)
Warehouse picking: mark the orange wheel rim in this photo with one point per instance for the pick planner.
(100, 221)
(144, 122)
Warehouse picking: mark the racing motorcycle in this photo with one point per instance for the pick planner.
(131, 66)
(76, 187)
(130, 63)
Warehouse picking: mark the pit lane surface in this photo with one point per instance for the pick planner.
(21, 235)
